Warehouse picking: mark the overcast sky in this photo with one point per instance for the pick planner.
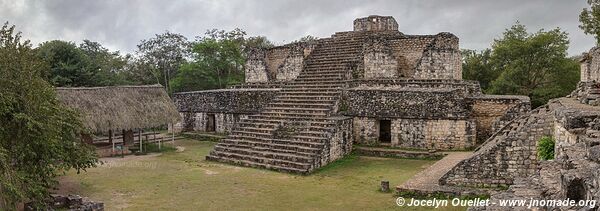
(121, 24)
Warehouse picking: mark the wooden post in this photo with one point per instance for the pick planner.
(140, 138)
(154, 139)
(110, 141)
(173, 133)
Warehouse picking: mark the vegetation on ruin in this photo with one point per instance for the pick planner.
(523, 63)
(185, 181)
(545, 149)
(39, 137)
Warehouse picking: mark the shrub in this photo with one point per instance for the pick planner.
(546, 148)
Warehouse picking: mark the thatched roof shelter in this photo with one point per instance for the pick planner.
(120, 107)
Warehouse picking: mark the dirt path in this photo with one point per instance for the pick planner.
(427, 179)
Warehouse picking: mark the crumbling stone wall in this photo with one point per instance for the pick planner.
(510, 153)
(441, 59)
(340, 143)
(228, 106)
(492, 112)
(408, 50)
(379, 61)
(277, 64)
(256, 66)
(590, 66)
(376, 23)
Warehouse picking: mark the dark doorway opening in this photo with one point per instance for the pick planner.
(385, 133)
(210, 123)
(576, 190)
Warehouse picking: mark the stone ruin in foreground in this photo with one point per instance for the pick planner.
(509, 157)
(305, 104)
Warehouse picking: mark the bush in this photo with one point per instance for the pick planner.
(546, 148)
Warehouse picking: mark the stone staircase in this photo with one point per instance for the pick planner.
(292, 133)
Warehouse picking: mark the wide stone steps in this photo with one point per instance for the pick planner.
(282, 143)
(273, 163)
(300, 105)
(303, 106)
(259, 164)
(278, 148)
(267, 153)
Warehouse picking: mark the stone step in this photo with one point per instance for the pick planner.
(301, 101)
(312, 89)
(273, 163)
(289, 118)
(309, 92)
(301, 105)
(265, 152)
(258, 165)
(281, 148)
(313, 142)
(294, 114)
(318, 74)
(306, 98)
(298, 109)
(300, 145)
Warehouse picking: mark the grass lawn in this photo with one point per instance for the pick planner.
(185, 181)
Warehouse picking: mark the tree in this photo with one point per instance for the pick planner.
(535, 64)
(590, 19)
(163, 55)
(108, 66)
(217, 60)
(69, 66)
(39, 137)
(477, 66)
(216, 64)
(307, 38)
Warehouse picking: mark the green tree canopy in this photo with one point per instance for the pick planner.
(69, 66)
(590, 19)
(217, 60)
(522, 63)
(39, 137)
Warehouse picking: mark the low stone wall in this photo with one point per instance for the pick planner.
(396, 153)
(439, 134)
(245, 101)
(492, 112)
(339, 143)
(389, 102)
(508, 154)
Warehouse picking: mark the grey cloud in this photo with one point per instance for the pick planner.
(120, 25)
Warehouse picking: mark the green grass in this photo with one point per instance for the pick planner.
(185, 181)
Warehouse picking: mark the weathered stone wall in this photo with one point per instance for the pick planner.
(441, 59)
(375, 23)
(439, 134)
(340, 143)
(227, 105)
(256, 66)
(277, 64)
(224, 122)
(492, 112)
(405, 102)
(590, 66)
(510, 153)
(408, 51)
(246, 101)
(379, 61)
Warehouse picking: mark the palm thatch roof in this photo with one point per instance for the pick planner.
(120, 107)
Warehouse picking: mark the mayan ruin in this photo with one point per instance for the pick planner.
(305, 104)
(300, 105)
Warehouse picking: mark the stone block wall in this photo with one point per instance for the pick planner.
(228, 106)
(441, 59)
(277, 64)
(403, 102)
(492, 112)
(510, 153)
(379, 61)
(590, 66)
(439, 134)
(375, 23)
(340, 143)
